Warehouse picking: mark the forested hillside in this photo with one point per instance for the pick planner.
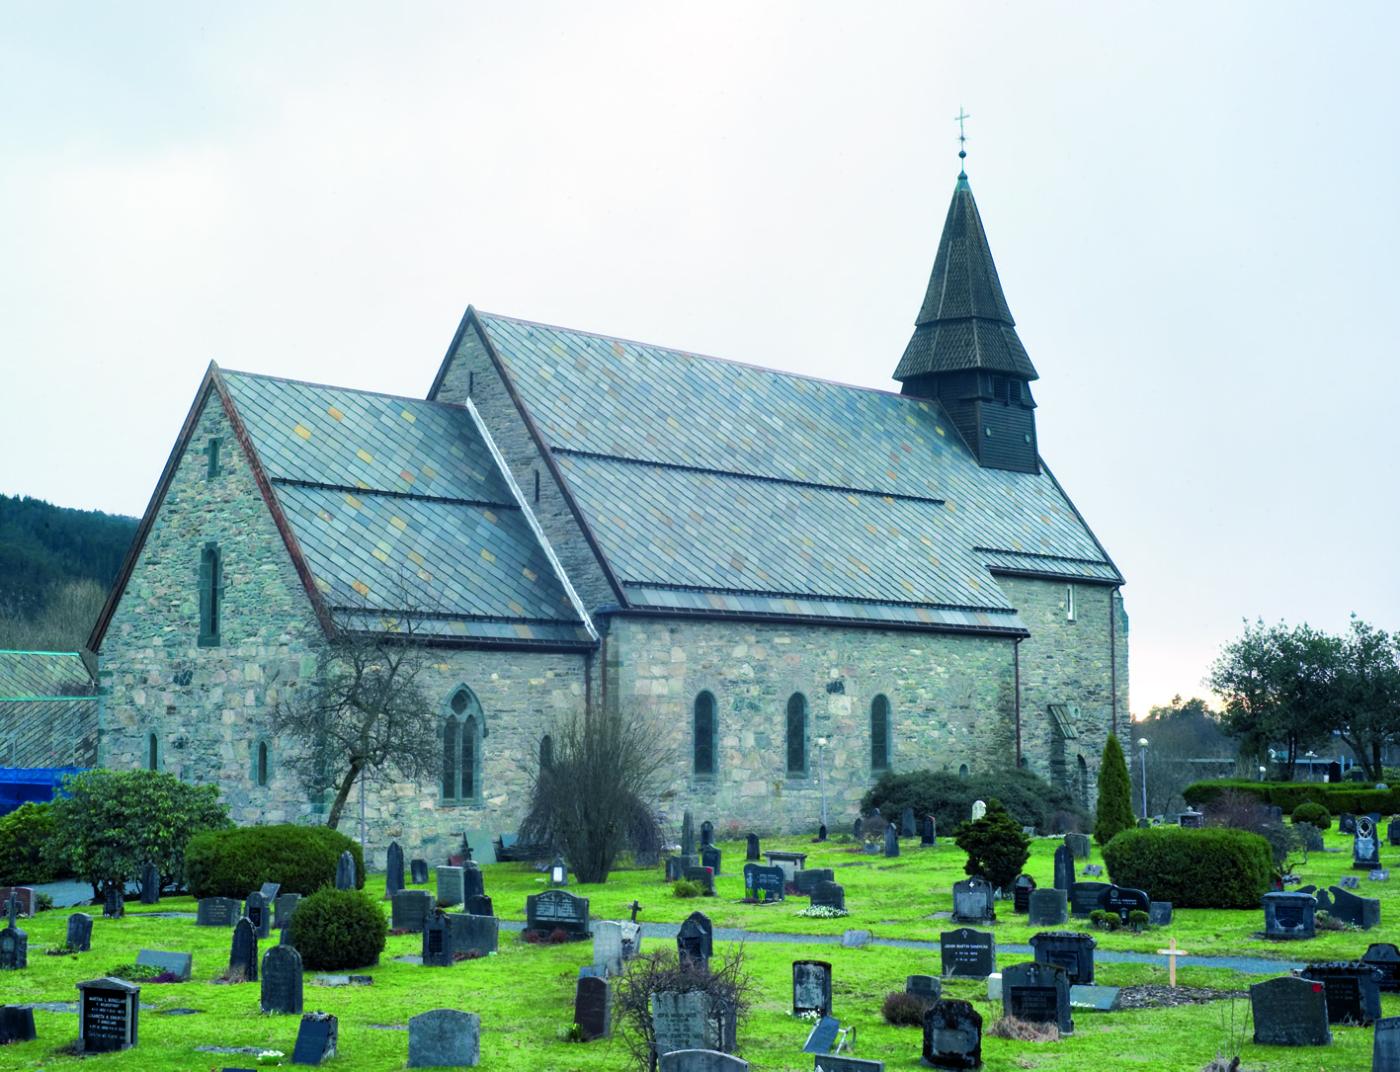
(56, 565)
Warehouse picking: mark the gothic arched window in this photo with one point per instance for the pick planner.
(461, 748)
(706, 729)
(797, 734)
(880, 733)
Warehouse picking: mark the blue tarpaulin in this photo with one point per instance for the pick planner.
(20, 785)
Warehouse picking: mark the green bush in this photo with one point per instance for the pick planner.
(334, 929)
(948, 797)
(1314, 814)
(684, 887)
(996, 849)
(1214, 867)
(1115, 809)
(230, 863)
(23, 835)
(1336, 797)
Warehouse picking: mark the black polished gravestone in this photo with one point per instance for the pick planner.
(1064, 868)
(751, 848)
(393, 869)
(478, 904)
(16, 1024)
(829, 895)
(474, 935)
(952, 1035)
(972, 901)
(1392, 832)
(1363, 912)
(473, 880)
(316, 1038)
(409, 909)
(217, 912)
(1385, 958)
(259, 913)
(243, 953)
(557, 910)
(806, 881)
(1351, 988)
(1086, 898)
(1290, 1012)
(710, 857)
(1071, 950)
(437, 942)
(695, 940)
(906, 823)
(1037, 993)
(593, 1007)
(345, 871)
(1346, 823)
(928, 831)
(150, 884)
(1290, 916)
(1047, 908)
(1385, 1051)
(113, 905)
(79, 933)
(108, 1010)
(967, 953)
(811, 987)
(821, 832)
(1021, 894)
(1366, 844)
(926, 988)
(281, 981)
(1123, 902)
(891, 841)
(418, 871)
(764, 883)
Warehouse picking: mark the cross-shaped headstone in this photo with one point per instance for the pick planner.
(635, 907)
(1171, 953)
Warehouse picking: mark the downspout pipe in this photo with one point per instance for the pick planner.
(1113, 656)
(1016, 659)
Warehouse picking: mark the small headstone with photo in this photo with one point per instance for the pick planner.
(150, 884)
(113, 902)
(1352, 989)
(1290, 1011)
(952, 1035)
(1021, 894)
(317, 1037)
(1047, 908)
(593, 1008)
(928, 831)
(79, 932)
(891, 841)
(258, 913)
(418, 871)
(1064, 868)
(281, 981)
(393, 869)
(444, 1038)
(751, 847)
(968, 953)
(108, 1015)
(217, 912)
(451, 886)
(811, 987)
(1037, 993)
(973, 901)
(243, 953)
(345, 871)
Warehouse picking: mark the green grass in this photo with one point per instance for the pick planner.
(524, 994)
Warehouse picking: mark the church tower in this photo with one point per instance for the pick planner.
(965, 352)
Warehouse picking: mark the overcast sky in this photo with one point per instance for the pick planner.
(1193, 208)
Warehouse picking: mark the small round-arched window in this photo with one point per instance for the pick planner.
(962, 770)
(152, 752)
(262, 763)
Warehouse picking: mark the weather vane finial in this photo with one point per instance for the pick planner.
(962, 141)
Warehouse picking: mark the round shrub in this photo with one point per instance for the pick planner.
(339, 929)
(23, 834)
(948, 797)
(1313, 814)
(230, 863)
(1214, 867)
(995, 846)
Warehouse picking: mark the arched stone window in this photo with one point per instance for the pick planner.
(962, 770)
(797, 734)
(462, 732)
(546, 752)
(211, 594)
(152, 752)
(706, 730)
(880, 733)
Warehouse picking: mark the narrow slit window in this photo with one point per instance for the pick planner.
(1069, 602)
(546, 752)
(449, 759)
(211, 588)
(797, 734)
(152, 752)
(705, 733)
(880, 733)
(262, 763)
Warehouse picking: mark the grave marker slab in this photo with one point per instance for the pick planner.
(16, 1024)
(1122, 902)
(1071, 950)
(710, 857)
(270, 890)
(1038, 993)
(557, 909)
(1385, 958)
(811, 987)
(393, 869)
(1290, 916)
(113, 902)
(891, 841)
(764, 883)
(437, 941)
(928, 831)
(707, 834)
(1352, 990)
(952, 1035)
(179, 965)
(217, 912)
(593, 1008)
(829, 895)
(473, 880)
(451, 886)
(282, 981)
(1290, 1012)
(1021, 894)
(79, 932)
(687, 833)
(790, 862)
(1363, 912)
(607, 948)
(444, 1038)
(1078, 845)
(108, 1015)
(822, 1036)
(410, 910)
(701, 1061)
(418, 871)
(23, 894)
(751, 846)
(1086, 897)
(855, 939)
(807, 880)
(14, 947)
(1366, 844)
(1048, 908)
(691, 1020)
(473, 934)
(972, 901)
(1064, 868)
(967, 953)
(150, 884)
(317, 1037)
(478, 904)
(284, 908)
(1385, 1049)
(927, 987)
(258, 913)
(345, 871)
(1159, 913)
(1098, 998)
(906, 823)
(840, 1062)
(243, 953)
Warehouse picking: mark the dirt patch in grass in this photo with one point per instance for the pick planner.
(1152, 996)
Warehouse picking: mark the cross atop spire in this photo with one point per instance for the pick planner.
(962, 140)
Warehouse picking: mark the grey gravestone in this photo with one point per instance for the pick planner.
(1348, 882)
(108, 1013)
(451, 886)
(691, 1020)
(1071, 950)
(811, 987)
(259, 914)
(217, 912)
(177, 964)
(1038, 993)
(14, 943)
(701, 1061)
(284, 908)
(687, 834)
(478, 904)
(710, 857)
(1047, 908)
(393, 869)
(856, 828)
(1366, 845)
(113, 906)
(707, 834)
(1290, 1012)
(1159, 913)
(1385, 1051)
(1093, 870)
(444, 1038)
(790, 862)
(1312, 837)
(1122, 901)
(891, 841)
(1352, 990)
(345, 871)
(906, 823)
(764, 883)
(16, 1024)
(270, 890)
(557, 910)
(410, 910)
(473, 880)
(855, 939)
(317, 1037)
(1064, 868)
(150, 884)
(1098, 998)
(437, 942)
(675, 867)
(703, 877)
(829, 895)
(474, 935)
(607, 948)
(1290, 915)
(952, 1035)
(631, 935)
(79, 932)
(1346, 823)
(25, 896)
(751, 848)
(1379, 874)
(1021, 894)
(806, 881)
(1385, 958)
(972, 901)
(593, 1008)
(1086, 897)
(968, 953)
(1079, 845)
(821, 1037)
(694, 942)
(418, 871)
(927, 987)
(243, 953)
(928, 831)
(281, 981)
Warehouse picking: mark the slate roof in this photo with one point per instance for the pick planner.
(964, 322)
(716, 486)
(398, 504)
(36, 675)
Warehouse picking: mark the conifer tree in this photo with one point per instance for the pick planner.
(1115, 808)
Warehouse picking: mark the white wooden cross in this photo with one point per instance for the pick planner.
(1171, 954)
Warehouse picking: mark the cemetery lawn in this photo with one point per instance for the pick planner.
(524, 996)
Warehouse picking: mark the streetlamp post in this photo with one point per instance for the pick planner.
(821, 773)
(1142, 752)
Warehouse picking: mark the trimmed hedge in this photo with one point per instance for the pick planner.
(24, 833)
(1336, 797)
(948, 797)
(230, 863)
(1213, 867)
(338, 929)
(1316, 814)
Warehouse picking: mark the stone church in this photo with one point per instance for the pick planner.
(801, 584)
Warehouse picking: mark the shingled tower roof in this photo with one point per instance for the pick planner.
(965, 322)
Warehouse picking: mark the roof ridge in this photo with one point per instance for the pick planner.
(340, 387)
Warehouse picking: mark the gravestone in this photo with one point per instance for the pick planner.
(811, 987)
(926, 987)
(607, 948)
(691, 1020)
(1392, 832)
(807, 880)
(593, 1007)
(972, 901)
(243, 953)
(1385, 959)
(418, 871)
(444, 1038)
(840, 1062)
(113, 905)
(1159, 913)
(928, 831)
(710, 857)
(790, 862)
(437, 941)
(829, 895)
(474, 935)
(14, 943)
(979, 809)
(16, 1024)
(79, 932)
(1037, 993)
(25, 896)
(1086, 897)
(694, 942)
(316, 1038)
(1191, 820)
(1122, 901)
(1366, 844)
(108, 1014)
(1290, 1012)
(906, 823)
(967, 953)
(857, 827)
(1098, 998)
(258, 913)
(557, 910)
(823, 1035)
(1363, 912)
(270, 890)
(751, 850)
(451, 886)
(345, 871)
(675, 867)
(1078, 845)
(764, 883)
(281, 981)
(707, 834)
(702, 877)
(1346, 823)
(1290, 916)
(1379, 874)
(1071, 950)
(1312, 837)
(687, 834)
(952, 1035)
(1021, 894)
(284, 908)
(701, 1061)
(1093, 870)
(1064, 868)
(1348, 882)
(821, 832)
(393, 869)
(473, 880)
(217, 912)
(1352, 990)
(150, 884)
(891, 841)
(1385, 1050)
(178, 965)
(409, 910)
(1047, 908)
(632, 935)
(855, 939)
(478, 904)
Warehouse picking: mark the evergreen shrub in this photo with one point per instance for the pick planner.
(1213, 867)
(1313, 814)
(23, 834)
(334, 929)
(948, 797)
(1336, 797)
(996, 849)
(1115, 809)
(231, 863)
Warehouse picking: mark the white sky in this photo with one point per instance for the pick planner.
(1193, 207)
